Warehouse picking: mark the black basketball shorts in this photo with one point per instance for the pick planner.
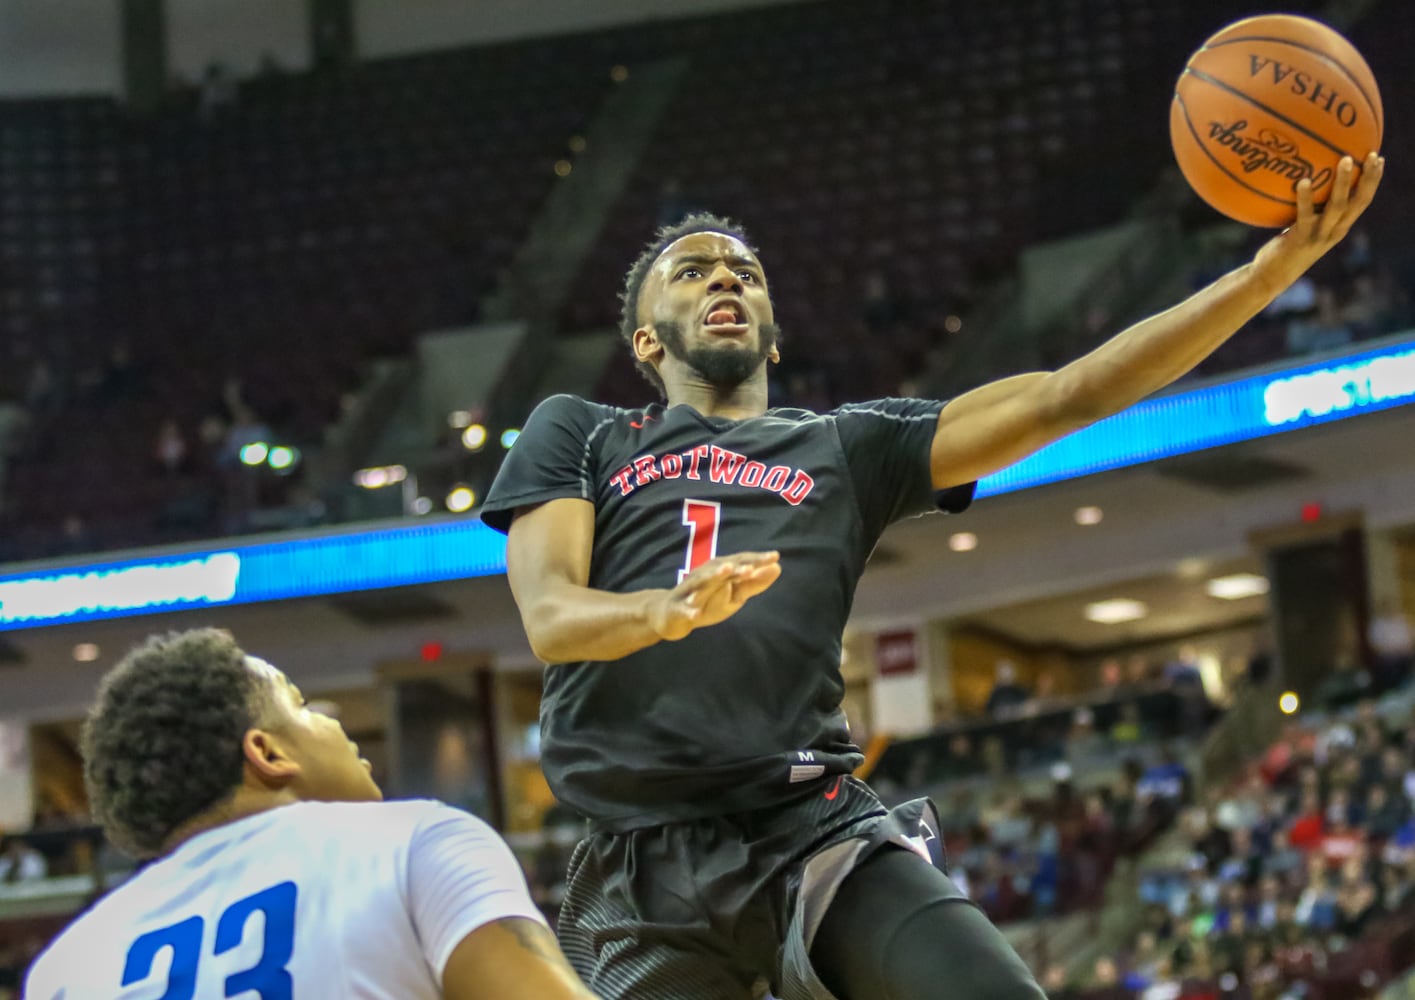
(726, 908)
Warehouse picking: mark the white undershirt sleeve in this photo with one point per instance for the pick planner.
(461, 875)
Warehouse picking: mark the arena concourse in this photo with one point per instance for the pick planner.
(277, 293)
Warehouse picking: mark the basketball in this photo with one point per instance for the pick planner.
(1266, 102)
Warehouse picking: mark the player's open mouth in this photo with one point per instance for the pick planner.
(726, 316)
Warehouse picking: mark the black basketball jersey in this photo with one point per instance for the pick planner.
(732, 716)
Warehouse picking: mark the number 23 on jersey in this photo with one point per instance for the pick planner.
(267, 978)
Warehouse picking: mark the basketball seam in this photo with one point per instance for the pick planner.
(1234, 91)
(1376, 112)
(1189, 123)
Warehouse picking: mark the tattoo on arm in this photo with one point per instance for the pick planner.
(537, 940)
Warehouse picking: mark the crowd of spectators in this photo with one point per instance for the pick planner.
(1350, 296)
(191, 480)
(1019, 856)
(1301, 873)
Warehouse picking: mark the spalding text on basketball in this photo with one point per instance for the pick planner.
(1268, 151)
(1303, 85)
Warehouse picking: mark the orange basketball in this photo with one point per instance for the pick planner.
(1266, 102)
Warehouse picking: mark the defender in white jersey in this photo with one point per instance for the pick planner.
(279, 873)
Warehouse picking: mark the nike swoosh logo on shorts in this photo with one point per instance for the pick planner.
(834, 790)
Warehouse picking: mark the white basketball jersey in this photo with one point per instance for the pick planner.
(305, 902)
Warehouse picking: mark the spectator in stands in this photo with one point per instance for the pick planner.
(1356, 899)
(1139, 672)
(1166, 782)
(1395, 888)
(1392, 644)
(1105, 974)
(1082, 741)
(1268, 911)
(170, 449)
(218, 91)
(75, 538)
(1397, 774)
(1008, 696)
(1316, 907)
(1244, 862)
(1320, 330)
(1260, 662)
(19, 862)
(1298, 298)
(1057, 984)
(1112, 678)
(1043, 696)
(1184, 676)
(1242, 808)
(1281, 860)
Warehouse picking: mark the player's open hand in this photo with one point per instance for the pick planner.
(713, 592)
(1285, 257)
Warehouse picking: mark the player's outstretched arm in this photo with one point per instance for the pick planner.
(511, 959)
(548, 566)
(991, 427)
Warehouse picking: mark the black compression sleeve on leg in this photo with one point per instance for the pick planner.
(899, 929)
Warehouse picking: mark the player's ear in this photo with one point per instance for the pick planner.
(267, 756)
(647, 347)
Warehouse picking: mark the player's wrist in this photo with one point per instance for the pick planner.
(655, 612)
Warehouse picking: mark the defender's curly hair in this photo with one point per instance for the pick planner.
(698, 222)
(162, 743)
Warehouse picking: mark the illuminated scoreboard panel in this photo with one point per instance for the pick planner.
(430, 551)
(1215, 415)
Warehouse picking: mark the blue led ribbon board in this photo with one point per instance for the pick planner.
(1214, 415)
(423, 552)
(430, 551)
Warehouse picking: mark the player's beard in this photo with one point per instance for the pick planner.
(722, 366)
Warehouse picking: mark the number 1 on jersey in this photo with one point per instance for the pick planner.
(702, 518)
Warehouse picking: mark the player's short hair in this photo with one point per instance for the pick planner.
(698, 222)
(162, 742)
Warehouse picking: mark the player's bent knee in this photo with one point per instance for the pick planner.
(899, 928)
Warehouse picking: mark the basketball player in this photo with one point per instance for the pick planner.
(687, 571)
(279, 873)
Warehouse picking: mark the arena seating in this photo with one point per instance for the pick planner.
(1302, 872)
(282, 240)
(891, 159)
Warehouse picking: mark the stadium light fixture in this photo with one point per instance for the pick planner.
(379, 476)
(963, 541)
(283, 458)
(461, 499)
(1116, 610)
(254, 453)
(509, 436)
(1237, 586)
(474, 437)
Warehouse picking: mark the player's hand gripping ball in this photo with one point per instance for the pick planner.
(1265, 103)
